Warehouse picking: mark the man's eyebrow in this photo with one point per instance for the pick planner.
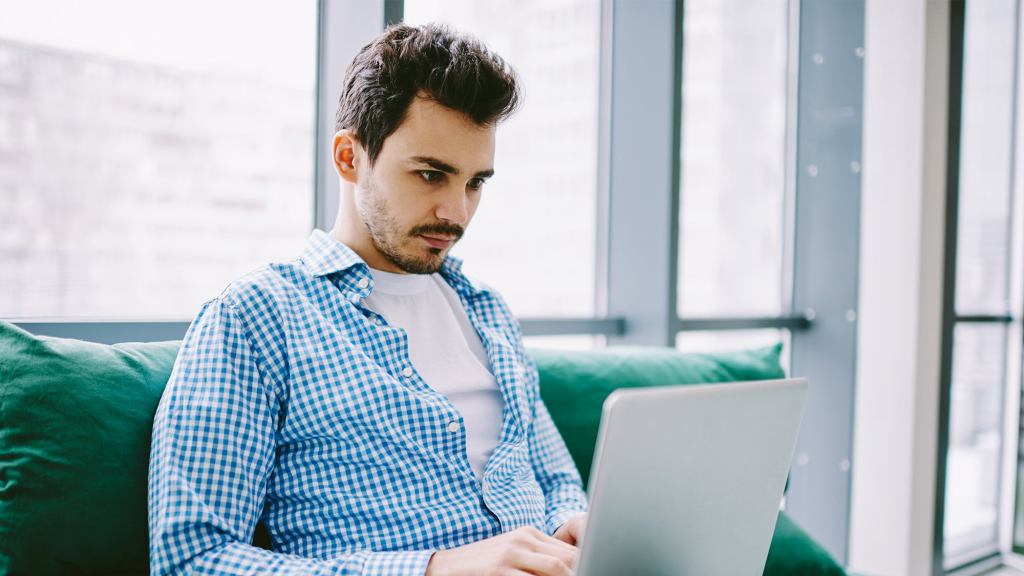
(447, 168)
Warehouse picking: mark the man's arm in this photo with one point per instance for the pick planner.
(556, 472)
(214, 441)
(552, 464)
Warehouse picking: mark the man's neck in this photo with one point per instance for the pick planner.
(356, 237)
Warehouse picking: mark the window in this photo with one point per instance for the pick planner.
(733, 221)
(533, 236)
(975, 440)
(981, 343)
(145, 160)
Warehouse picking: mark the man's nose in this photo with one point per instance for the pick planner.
(454, 208)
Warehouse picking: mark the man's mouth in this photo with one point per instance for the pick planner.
(439, 241)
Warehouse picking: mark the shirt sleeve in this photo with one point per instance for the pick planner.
(552, 464)
(213, 446)
(556, 472)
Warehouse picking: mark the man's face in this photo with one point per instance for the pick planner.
(419, 196)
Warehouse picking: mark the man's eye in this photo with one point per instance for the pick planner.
(476, 184)
(431, 176)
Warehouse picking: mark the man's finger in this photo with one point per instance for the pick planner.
(571, 533)
(543, 564)
(564, 552)
(551, 540)
(576, 531)
(565, 537)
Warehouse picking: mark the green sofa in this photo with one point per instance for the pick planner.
(75, 422)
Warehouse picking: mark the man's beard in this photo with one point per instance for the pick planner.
(389, 239)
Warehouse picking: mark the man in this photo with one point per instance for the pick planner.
(367, 402)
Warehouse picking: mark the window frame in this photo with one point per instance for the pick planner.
(986, 557)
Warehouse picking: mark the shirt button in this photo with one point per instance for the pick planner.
(407, 372)
(363, 282)
(453, 426)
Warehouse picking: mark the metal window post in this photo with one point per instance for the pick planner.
(345, 27)
(643, 167)
(826, 251)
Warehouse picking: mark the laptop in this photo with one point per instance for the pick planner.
(689, 479)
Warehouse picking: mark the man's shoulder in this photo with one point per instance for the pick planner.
(492, 308)
(492, 298)
(267, 289)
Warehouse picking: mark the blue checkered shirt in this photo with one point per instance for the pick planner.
(293, 404)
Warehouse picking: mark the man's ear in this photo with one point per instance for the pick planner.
(344, 147)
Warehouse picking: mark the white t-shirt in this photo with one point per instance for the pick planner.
(445, 350)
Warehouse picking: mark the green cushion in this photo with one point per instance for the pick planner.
(75, 422)
(76, 417)
(575, 384)
(794, 553)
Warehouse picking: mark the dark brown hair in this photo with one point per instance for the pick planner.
(455, 70)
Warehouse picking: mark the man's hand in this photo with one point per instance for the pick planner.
(572, 530)
(520, 552)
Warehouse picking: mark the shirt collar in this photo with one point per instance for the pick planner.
(451, 270)
(324, 256)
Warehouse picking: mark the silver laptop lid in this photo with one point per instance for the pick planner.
(688, 479)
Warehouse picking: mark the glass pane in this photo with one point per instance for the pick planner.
(978, 389)
(985, 158)
(150, 152)
(1015, 493)
(1016, 347)
(975, 435)
(733, 158)
(533, 236)
(730, 340)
